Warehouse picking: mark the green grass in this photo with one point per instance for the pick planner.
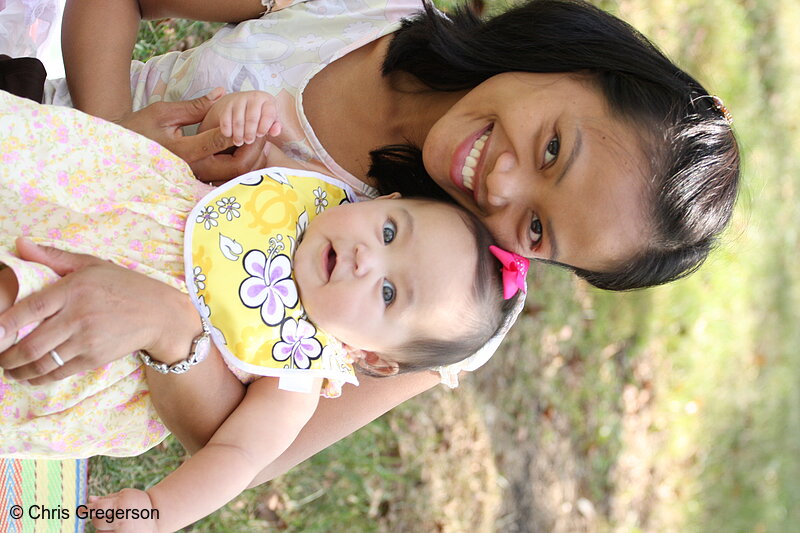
(670, 410)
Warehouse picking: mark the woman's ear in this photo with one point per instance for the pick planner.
(390, 196)
(374, 363)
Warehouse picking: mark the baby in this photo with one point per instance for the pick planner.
(402, 284)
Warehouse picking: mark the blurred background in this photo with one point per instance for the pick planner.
(667, 410)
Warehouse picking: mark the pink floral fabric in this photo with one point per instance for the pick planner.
(82, 184)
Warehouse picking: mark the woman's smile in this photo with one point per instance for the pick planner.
(469, 160)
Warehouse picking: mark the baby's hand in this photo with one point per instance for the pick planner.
(244, 116)
(126, 511)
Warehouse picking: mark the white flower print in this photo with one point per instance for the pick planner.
(230, 249)
(310, 42)
(320, 200)
(229, 207)
(199, 278)
(300, 229)
(271, 75)
(298, 343)
(270, 286)
(208, 217)
(203, 308)
(356, 30)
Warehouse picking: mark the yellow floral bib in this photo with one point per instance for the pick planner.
(239, 248)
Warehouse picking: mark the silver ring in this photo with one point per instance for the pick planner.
(56, 358)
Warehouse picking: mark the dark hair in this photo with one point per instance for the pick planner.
(693, 154)
(487, 313)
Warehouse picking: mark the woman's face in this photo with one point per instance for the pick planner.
(552, 174)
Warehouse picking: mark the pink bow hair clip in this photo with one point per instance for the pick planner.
(515, 268)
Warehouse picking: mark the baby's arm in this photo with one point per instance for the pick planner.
(244, 116)
(257, 432)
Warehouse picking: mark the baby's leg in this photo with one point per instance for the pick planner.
(8, 287)
(18, 279)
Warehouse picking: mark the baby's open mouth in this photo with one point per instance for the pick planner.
(330, 261)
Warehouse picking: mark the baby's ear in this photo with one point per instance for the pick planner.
(390, 196)
(374, 363)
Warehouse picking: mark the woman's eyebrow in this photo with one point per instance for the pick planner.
(576, 149)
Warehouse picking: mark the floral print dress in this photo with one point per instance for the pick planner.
(85, 185)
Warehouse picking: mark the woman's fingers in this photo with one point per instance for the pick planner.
(163, 123)
(222, 167)
(61, 261)
(31, 309)
(43, 364)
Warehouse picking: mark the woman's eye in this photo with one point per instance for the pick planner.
(388, 292)
(551, 152)
(536, 231)
(389, 231)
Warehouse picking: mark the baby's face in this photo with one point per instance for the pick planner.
(379, 274)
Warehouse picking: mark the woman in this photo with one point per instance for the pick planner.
(590, 150)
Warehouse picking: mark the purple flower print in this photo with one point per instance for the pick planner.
(207, 217)
(229, 207)
(298, 342)
(270, 286)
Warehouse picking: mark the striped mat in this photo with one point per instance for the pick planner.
(38, 496)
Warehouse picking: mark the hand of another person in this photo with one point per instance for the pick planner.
(96, 313)
(126, 511)
(220, 167)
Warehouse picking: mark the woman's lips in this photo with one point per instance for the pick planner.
(468, 159)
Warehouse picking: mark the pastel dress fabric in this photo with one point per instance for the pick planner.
(240, 245)
(88, 186)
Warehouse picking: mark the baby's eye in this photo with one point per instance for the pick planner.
(551, 152)
(388, 292)
(389, 231)
(535, 231)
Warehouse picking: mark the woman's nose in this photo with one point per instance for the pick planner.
(502, 182)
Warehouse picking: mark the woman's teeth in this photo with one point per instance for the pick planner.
(471, 161)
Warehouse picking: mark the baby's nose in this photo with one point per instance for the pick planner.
(366, 260)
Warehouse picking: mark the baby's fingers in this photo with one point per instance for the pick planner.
(255, 121)
(269, 124)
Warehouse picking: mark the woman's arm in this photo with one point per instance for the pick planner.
(333, 419)
(337, 418)
(98, 38)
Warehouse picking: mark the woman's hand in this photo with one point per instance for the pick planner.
(96, 313)
(205, 152)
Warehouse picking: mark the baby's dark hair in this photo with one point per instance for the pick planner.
(485, 315)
